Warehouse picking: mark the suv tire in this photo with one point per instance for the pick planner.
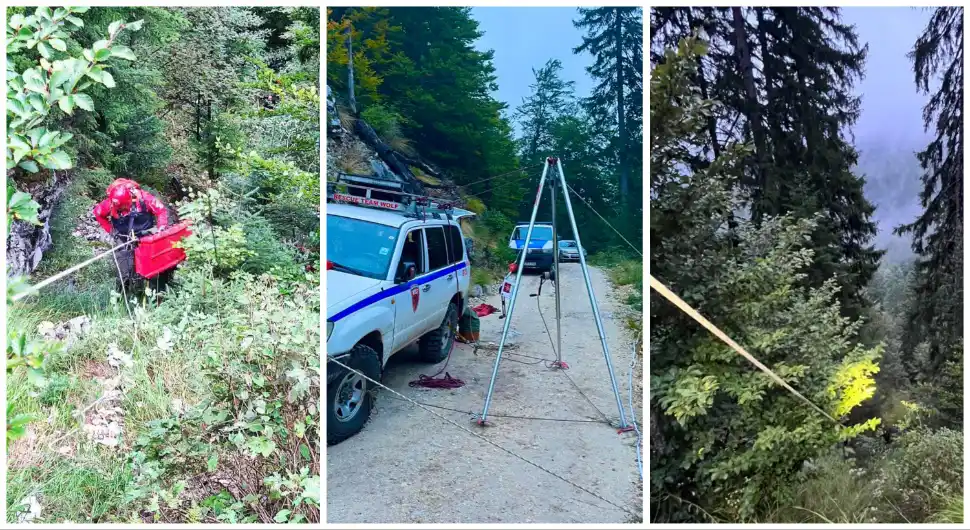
(437, 345)
(350, 397)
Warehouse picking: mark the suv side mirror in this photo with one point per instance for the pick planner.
(406, 271)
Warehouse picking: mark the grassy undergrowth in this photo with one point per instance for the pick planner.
(625, 272)
(918, 478)
(219, 386)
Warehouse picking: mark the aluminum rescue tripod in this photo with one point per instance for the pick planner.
(557, 164)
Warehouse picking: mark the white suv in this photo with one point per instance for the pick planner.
(392, 280)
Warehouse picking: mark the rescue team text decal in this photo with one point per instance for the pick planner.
(366, 201)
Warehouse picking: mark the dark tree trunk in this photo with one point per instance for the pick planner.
(705, 91)
(212, 142)
(752, 111)
(621, 111)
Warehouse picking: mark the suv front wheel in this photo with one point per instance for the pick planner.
(437, 345)
(350, 397)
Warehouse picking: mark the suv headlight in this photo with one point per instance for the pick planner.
(329, 329)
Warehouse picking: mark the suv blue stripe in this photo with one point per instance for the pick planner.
(400, 288)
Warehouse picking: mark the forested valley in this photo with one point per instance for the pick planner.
(199, 402)
(427, 92)
(760, 221)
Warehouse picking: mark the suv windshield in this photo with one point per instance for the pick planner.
(567, 244)
(360, 247)
(539, 233)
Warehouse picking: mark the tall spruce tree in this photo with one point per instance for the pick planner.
(783, 80)
(938, 231)
(551, 97)
(614, 37)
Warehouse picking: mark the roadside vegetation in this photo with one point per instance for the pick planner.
(198, 404)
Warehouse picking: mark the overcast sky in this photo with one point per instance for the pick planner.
(890, 129)
(892, 108)
(524, 38)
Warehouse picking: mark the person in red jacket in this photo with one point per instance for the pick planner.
(129, 209)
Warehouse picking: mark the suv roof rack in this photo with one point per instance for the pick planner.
(382, 194)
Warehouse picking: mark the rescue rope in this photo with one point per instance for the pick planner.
(121, 280)
(433, 381)
(486, 440)
(35, 288)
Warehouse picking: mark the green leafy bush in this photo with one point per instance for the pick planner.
(385, 120)
(733, 439)
(258, 353)
(925, 473)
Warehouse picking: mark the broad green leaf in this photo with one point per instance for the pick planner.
(76, 21)
(311, 489)
(100, 45)
(113, 27)
(95, 73)
(36, 378)
(66, 104)
(35, 135)
(107, 79)
(16, 21)
(29, 165)
(17, 155)
(43, 12)
(61, 159)
(15, 141)
(34, 80)
(45, 140)
(37, 102)
(80, 9)
(44, 50)
(84, 101)
(60, 76)
(15, 106)
(61, 139)
(102, 55)
(88, 55)
(123, 52)
(282, 516)
(58, 45)
(134, 26)
(212, 463)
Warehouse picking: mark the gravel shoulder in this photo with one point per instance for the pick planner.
(409, 466)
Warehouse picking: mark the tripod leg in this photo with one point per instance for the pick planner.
(555, 258)
(592, 298)
(515, 292)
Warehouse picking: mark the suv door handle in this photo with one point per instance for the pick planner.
(450, 276)
(427, 287)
